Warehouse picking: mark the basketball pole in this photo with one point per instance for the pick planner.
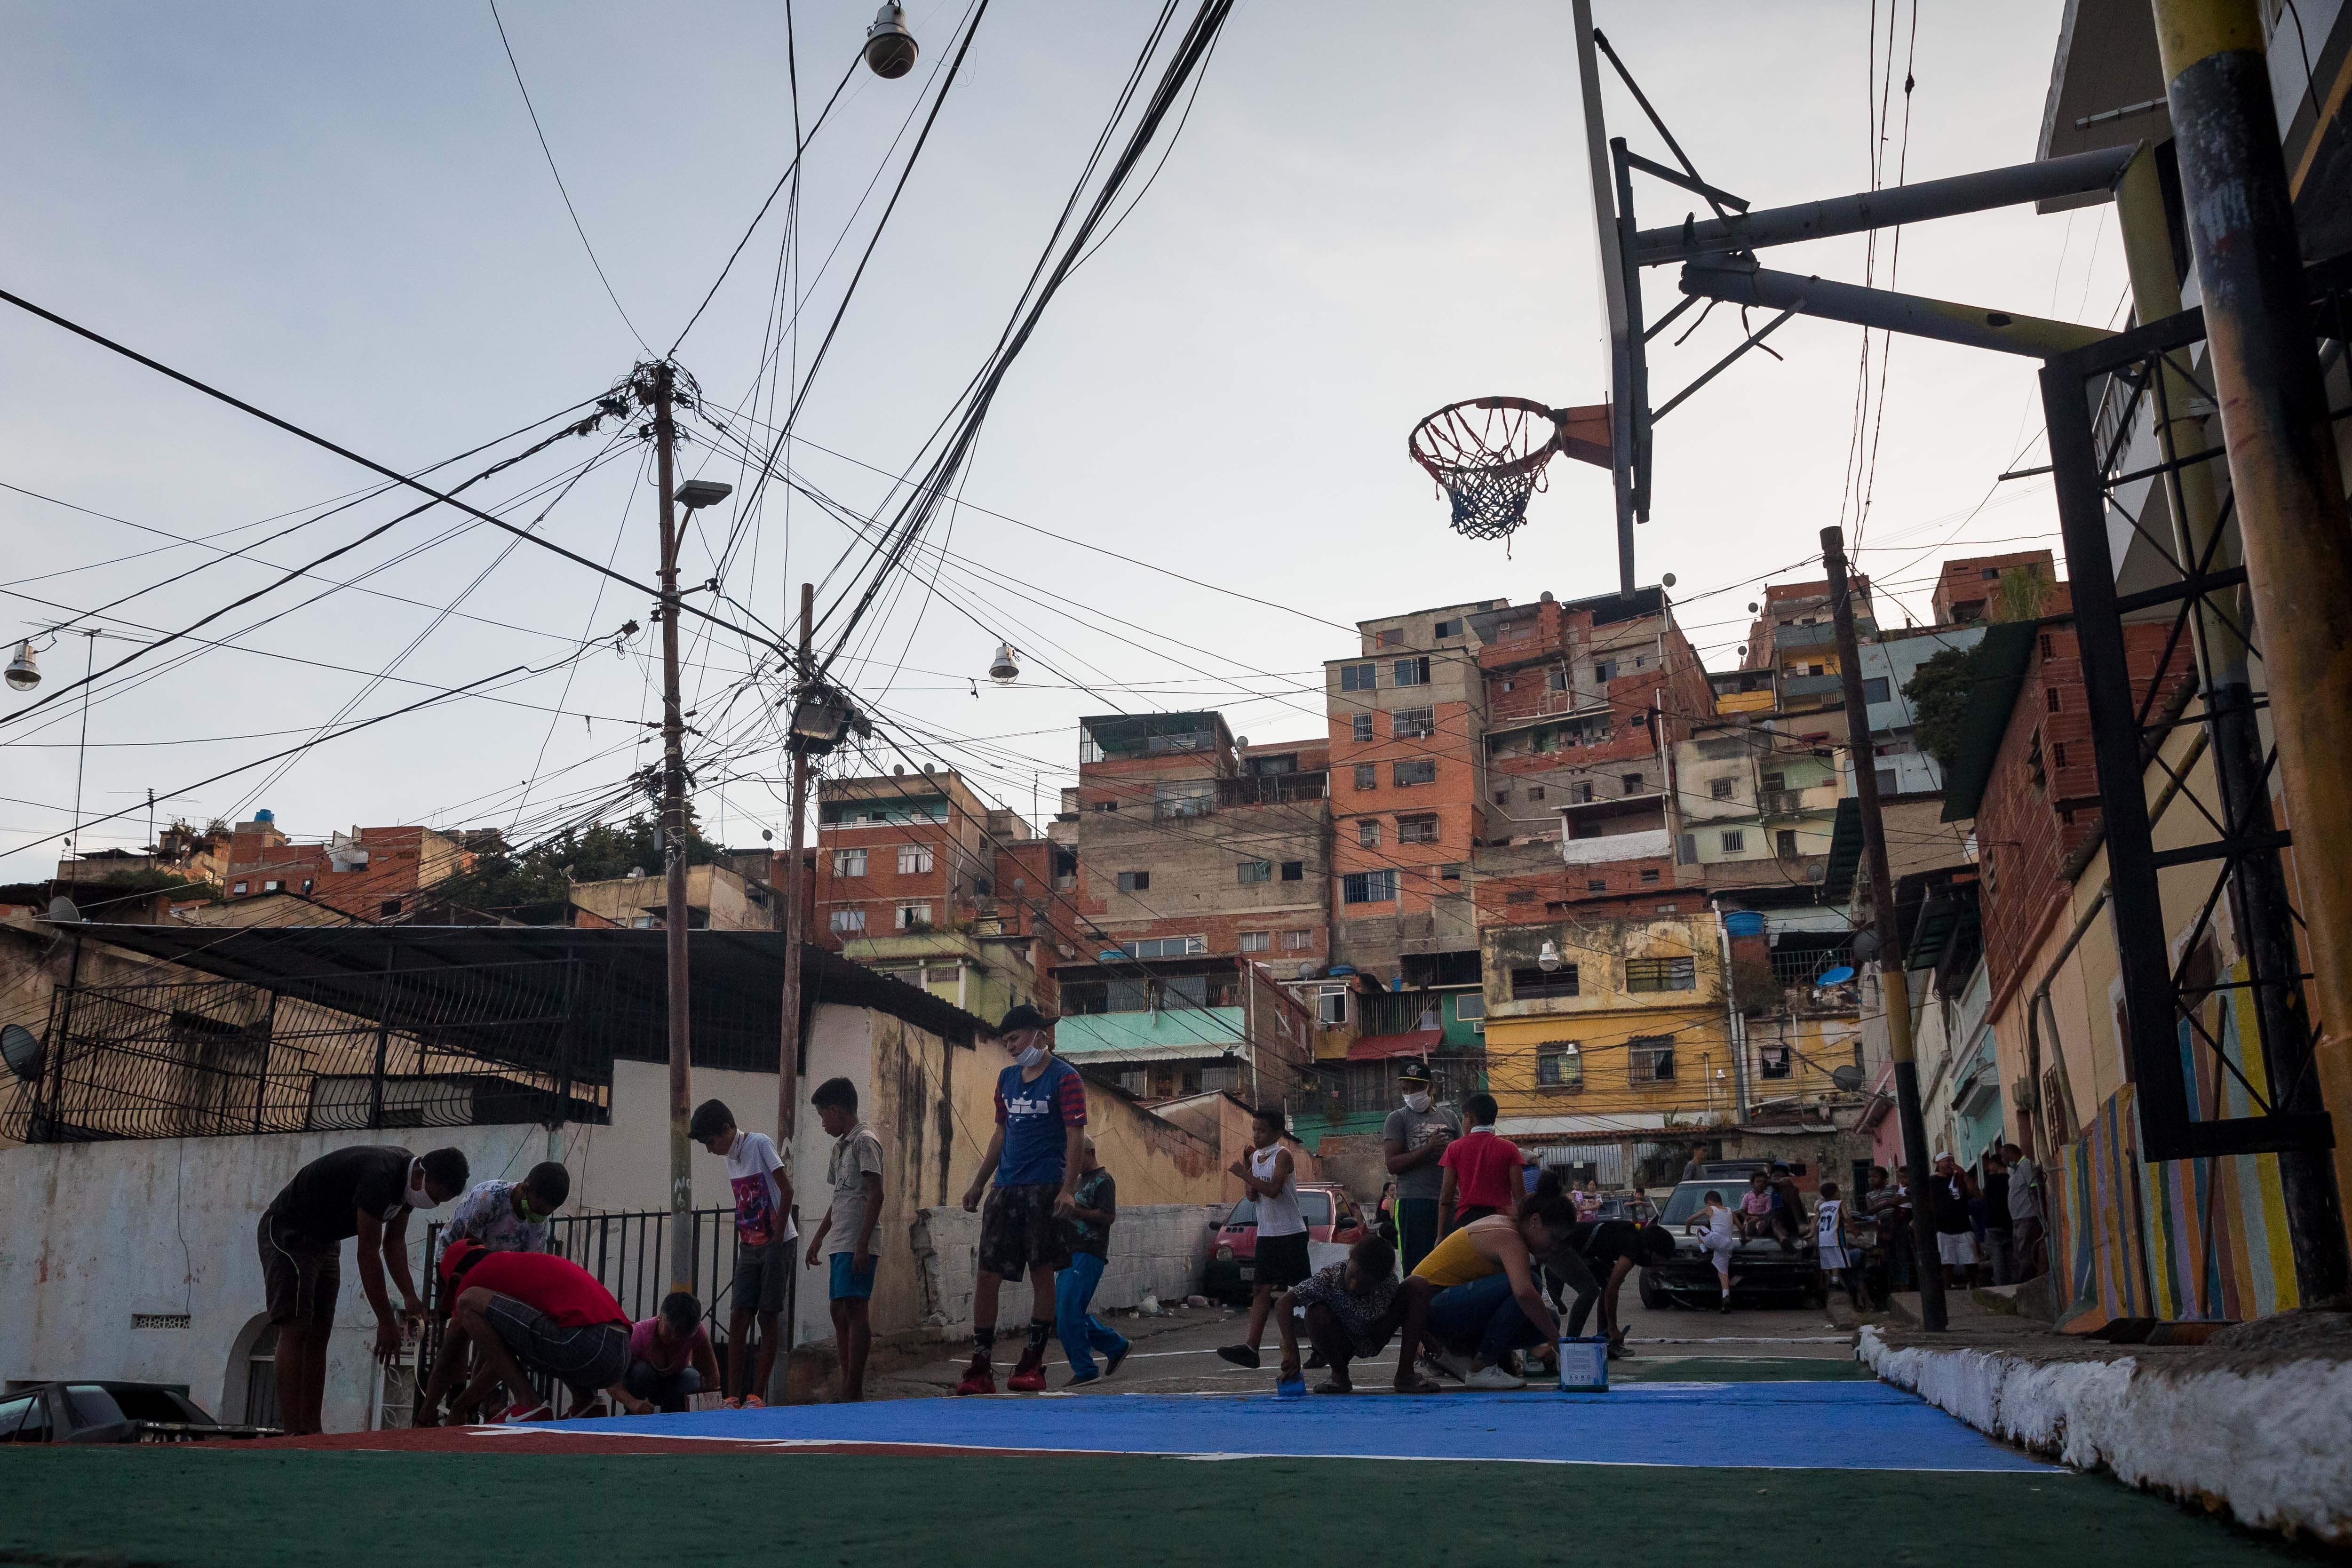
(1622, 344)
(1894, 984)
(659, 387)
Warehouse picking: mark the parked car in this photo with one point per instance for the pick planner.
(1330, 1215)
(112, 1413)
(1759, 1269)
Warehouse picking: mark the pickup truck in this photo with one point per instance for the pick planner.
(1759, 1269)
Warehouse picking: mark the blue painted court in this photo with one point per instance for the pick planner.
(1785, 1426)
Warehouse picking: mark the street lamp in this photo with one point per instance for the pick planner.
(1003, 669)
(1549, 959)
(23, 673)
(889, 47)
(696, 494)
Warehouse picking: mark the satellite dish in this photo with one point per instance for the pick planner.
(1865, 945)
(1837, 976)
(21, 1048)
(1847, 1078)
(62, 910)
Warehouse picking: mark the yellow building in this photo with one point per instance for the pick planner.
(1607, 1027)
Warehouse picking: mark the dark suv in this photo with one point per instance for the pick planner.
(1758, 1268)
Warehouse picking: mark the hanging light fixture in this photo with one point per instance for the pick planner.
(889, 48)
(1003, 669)
(1549, 959)
(23, 673)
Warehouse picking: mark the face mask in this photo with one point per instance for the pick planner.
(1032, 1056)
(1417, 1103)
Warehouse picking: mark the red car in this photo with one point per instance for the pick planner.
(1330, 1215)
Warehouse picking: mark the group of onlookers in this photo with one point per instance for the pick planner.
(1989, 1220)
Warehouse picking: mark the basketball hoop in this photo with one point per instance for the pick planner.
(1488, 454)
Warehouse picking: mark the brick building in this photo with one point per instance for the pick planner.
(1202, 878)
(370, 873)
(915, 877)
(1975, 588)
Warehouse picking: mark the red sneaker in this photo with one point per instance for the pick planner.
(524, 1410)
(979, 1378)
(1029, 1377)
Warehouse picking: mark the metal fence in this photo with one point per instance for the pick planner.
(193, 1059)
(629, 1255)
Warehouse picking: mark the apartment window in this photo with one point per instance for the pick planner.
(1406, 774)
(1416, 831)
(1559, 1065)
(1359, 726)
(1413, 671)
(1991, 574)
(1596, 884)
(1166, 947)
(1450, 872)
(645, 923)
(1368, 775)
(1776, 781)
(1469, 1005)
(1540, 982)
(1579, 793)
(1444, 630)
(1885, 777)
(2058, 754)
(1661, 974)
(1298, 941)
(1774, 1061)
(914, 859)
(389, 906)
(1651, 874)
(1106, 805)
(849, 862)
(1502, 797)
(914, 917)
(1368, 831)
(1734, 840)
(1535, 793)
(846, 922)
(1719, 789)
(1254, 871)
(2052, 694)
(1633, 783)
(1294, 870)
(273, 887)
(1875, 689)
(1368, 888)
(1413, 724)
(1257, 941)
(1134, 881)
(1356, 677)
(239, 888)
(1331, 1007)
(1785, 843)
(1556, 678)
(1392, 638)
(1650, 1059)
(2048, 650)
(1689, 856)
(1604, 670)
(1520, 896)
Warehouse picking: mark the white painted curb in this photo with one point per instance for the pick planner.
(2273, 1444)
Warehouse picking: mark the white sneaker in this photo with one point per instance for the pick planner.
(1494, 1378)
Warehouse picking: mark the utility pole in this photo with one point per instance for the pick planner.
(1893, 985)
(788, 1049)
(2287, 489)
(658, 384)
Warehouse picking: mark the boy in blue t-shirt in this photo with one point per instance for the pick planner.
(1035, 1156)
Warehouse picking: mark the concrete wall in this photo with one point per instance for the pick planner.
(1161, 1248)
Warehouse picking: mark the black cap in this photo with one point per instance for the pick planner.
(1025, 1016)
(1416, 1072)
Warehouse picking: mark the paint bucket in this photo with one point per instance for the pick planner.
(1584, 1365)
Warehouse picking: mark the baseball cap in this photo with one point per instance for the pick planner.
(1025, 1016)
(1413, 1072)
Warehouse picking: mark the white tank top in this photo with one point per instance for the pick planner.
(1278, 1214)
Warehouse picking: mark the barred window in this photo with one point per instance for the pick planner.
(1650, 1059)
(1559, 1065)
(1540, 982)
(1416, 829)
(1661, 974)
(1368, 888)
(1413, 723)
(1422, 772)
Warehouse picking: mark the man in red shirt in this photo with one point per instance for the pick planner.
(1481, 1169)
(528, 1312)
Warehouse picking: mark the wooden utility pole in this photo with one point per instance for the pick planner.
(1893, 985)
(788, 1049)
(657, 387)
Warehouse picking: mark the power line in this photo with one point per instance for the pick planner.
(549, 153)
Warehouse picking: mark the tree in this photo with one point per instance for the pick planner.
(2021, 594)
(1939, 693)
(533, 885)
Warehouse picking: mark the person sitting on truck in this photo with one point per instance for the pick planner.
(1718, 1237)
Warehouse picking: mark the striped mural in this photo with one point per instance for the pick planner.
(2183, 1238)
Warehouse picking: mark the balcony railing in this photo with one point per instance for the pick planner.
(1272, 789)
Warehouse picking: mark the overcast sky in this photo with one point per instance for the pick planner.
(343, 215)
